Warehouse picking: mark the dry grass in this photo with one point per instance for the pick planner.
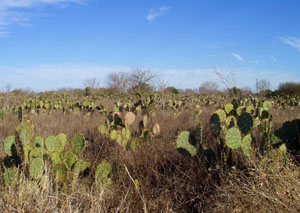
(168, 181)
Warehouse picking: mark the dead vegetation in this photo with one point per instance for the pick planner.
(168, 182)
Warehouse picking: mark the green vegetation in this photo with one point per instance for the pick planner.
(135, 152)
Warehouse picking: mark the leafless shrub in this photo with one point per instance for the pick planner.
(118, 81)
(208, 87)
(92, 83)
(262, 85)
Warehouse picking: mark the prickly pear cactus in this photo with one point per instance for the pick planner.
(10, 145)
(113, 134)
(245, 122)
(184, 144)
(79, 167)
(129, 118)
(36, 153)
(145, 121)
(267, 105)
(102, 129)
(222, 115)
(36, 168)
(25, 132)
(233, 138)
(52, 144)
(103, 173)
(69, 159)
(246, 145)
(38, 142)
(156, 129)
(78, 143)
(62, 138)
(10, 176)
(61, 173)
(228, 108)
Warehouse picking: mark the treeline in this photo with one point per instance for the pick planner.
(145, 80)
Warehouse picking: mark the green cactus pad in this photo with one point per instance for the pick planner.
(55, 158)
(103, 173)
(61, 173)
(52, 144)
(10, 145)
(267, 105)
(184, 144)
(228, 108)
(128, 134)
(78, 143)
(145, 121)
(246, 144)
(245, 122)
(250, 109)
(119, 139)
(113, 134)
(69, 159)
(62, 138)
(233, 138)
(123, 132)
(38, 141)
(10, 176)
(102, 129)
(79, 167)
(36, 168)
(222, 115)
(231, 121)
(36, 153)
(25, 132)
(275, 139)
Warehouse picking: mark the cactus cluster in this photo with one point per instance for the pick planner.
(65, 165)
(119, 128)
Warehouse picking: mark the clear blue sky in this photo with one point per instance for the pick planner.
(49, 44)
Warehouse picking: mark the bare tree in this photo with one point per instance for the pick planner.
(92, 83)
(140, 79)
(161, 84)
(118, 81)
(246, 90)
(7, 88)
(227, 76)
(208, 87)
(262, 85)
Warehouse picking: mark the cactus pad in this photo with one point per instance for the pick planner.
(246, 144)
(233, 138)
(129, 118)
(52, 144)
(62, 138)
(36, 168)
(78, 142)
(103, 173)
(69, 159)
(267, 105)
(228, 108)
(156, 129)
(10, 145)
(102, 129)
(184, 144)
(39, 141)
(245, 122)
(10, 176)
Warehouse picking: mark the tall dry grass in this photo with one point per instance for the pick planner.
(168, 182)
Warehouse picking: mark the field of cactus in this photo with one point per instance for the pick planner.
(105, 152)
